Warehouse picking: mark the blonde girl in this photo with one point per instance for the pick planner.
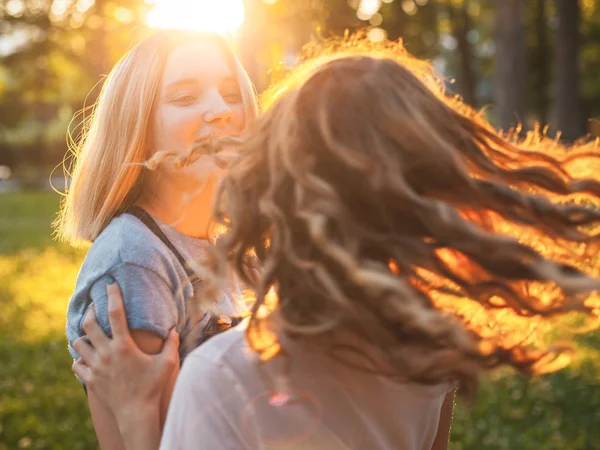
(168, 93)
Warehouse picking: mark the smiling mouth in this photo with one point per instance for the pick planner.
(218, 134)
(214, 145)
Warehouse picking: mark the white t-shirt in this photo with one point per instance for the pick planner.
(223, 400)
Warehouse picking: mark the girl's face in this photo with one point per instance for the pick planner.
(199, 96)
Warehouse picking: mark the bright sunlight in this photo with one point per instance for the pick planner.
(219, 16)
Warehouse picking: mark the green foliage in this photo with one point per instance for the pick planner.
(70, 46)
(555, 412)
(42, 406)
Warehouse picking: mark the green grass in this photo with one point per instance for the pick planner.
(42, 406)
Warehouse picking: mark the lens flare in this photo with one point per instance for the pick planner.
(293, 417)
(218, 16)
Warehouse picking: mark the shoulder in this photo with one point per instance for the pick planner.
(223, 349)
(130, 236)
(129, 241)
(215, 370)
(209, 400)
(220, 361)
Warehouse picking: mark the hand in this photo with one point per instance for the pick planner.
(121, 375)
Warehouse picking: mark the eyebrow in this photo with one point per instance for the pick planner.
(189, 81)
(180, 82)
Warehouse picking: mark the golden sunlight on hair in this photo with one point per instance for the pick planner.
(263, 337)
(579, 161)
(316, 54)
(396, 212)
(500, 326)
(103, 174)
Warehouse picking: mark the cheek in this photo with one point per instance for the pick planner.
(174, 127)
(239, 117)
(199, 172)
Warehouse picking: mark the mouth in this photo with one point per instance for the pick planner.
(218, 134)
(217, 145)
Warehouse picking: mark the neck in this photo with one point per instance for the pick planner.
(189, 214)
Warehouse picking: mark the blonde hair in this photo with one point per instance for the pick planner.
(106, 177)
(377, 205)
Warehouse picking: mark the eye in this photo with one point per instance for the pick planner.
(184, 99)
(233, 97)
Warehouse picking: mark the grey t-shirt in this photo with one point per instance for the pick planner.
(156, 289)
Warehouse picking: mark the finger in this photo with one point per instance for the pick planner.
(93, 329)
(84, 349)
(172, 342)
(116, 312)
(170, 349)
(82, 371)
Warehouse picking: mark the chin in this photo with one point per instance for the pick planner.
(198, 178)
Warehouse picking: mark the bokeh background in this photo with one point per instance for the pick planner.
(529, 62)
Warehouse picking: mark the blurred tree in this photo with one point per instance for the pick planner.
(60, 50)
(539, 67)
(338, 16)
(569, 107)
(461, 23)
(417, 23)
(54, 51)
(510, 63)
(590, 63)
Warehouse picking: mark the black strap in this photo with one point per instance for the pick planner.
(147, 220)
(214, 325)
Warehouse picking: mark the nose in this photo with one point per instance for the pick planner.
(218, 111)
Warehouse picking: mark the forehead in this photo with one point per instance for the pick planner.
(197, 59)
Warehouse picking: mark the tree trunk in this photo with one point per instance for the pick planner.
(461, 24)
(541, 64)
(509, 83)
(569, 108)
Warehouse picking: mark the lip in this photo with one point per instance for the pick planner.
(219, 146)
(221, 160)
(231, 133)
(214, 148)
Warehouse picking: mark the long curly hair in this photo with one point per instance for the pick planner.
(380, 206)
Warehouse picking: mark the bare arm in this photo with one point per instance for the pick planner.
(140, 430)
(442, 436)
(105, 424)
(152, 344)
(129, 384)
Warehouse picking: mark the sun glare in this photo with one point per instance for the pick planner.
(219, 16)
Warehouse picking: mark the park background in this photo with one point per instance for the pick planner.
(529, 62)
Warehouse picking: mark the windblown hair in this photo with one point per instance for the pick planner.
(379, 206)
(107, 164)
